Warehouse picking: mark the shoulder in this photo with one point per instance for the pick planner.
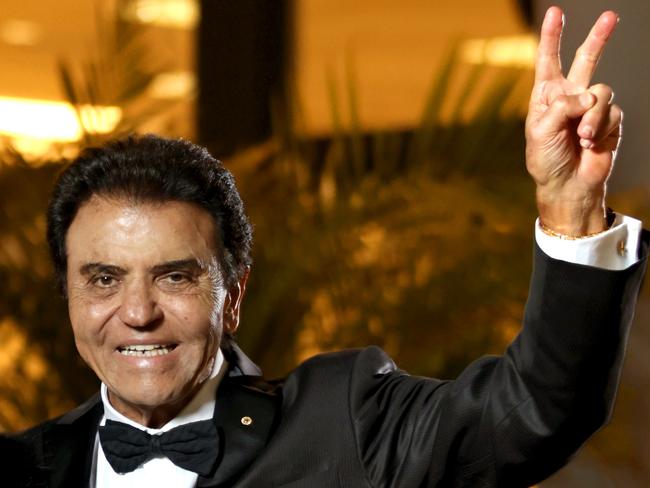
(91, 408)
(369, 361)
(25, 457)
(32, 434)
(326, 389)
(337, 373)
(29, 441)
(21, 453)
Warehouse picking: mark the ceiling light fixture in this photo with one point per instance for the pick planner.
(20, 32)
(172, 85)
(514, 51)
(179, 14)
(53, 121)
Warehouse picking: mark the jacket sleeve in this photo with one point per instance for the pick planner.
(506, 421)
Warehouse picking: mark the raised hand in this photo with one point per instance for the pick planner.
(572, 130)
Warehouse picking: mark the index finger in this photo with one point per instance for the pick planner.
(548, 65)
(588, 54)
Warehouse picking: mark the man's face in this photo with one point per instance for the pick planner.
(146, 299)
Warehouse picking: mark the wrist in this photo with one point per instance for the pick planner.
(572, 217)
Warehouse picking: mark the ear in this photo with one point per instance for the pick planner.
(232, 304)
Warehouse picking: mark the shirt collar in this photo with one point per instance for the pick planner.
(201, 407)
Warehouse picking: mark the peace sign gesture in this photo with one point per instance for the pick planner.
(572, 130)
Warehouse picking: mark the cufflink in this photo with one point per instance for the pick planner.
(620, 248)
(246, 420)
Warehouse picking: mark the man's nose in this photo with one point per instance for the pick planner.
(139, 306)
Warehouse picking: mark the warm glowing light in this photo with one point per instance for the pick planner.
(99, 119)
(53, 121)
(516, 51)
(180, 14)
(20, 32)
(31, 147)
(175, 84)
(33, 126)
(38, 119)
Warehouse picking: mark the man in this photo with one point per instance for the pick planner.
(151, 248)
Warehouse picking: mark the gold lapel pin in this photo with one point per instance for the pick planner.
(246, 420)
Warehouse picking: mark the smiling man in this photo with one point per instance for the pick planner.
(145, 297)
(151, 248)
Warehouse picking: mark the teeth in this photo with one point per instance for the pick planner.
(144, 348)
(148, 350)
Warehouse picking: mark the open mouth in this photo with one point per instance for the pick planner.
(146, 350)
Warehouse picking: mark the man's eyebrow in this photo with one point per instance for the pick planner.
(192, 265)
(101, 268)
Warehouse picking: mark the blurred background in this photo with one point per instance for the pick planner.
(378, 146)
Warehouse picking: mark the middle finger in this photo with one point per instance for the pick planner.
(588, 54)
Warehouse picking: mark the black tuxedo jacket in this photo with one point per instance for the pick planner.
(352, 419)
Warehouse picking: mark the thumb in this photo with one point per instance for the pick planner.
(564, 109)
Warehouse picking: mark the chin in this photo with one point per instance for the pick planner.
(152, 389)
(147, 397)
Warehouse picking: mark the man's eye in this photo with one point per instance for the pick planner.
(176, 278)
(104, 281)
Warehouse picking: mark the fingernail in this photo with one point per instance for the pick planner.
(586, 143)
(587, 132)
(586, 99)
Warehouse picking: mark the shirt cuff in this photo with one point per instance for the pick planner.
(615, 249)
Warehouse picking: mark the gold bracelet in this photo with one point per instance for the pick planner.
(609, 221)
(566, 237)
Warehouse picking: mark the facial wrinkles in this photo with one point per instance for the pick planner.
(106, 303)
(132, 247)
(215, 296)
(218, 292)
(142, 242)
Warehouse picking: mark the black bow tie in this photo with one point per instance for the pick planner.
(193, 446)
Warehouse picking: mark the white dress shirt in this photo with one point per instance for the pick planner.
(159, 471)
(614, 249)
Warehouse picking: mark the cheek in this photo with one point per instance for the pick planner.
(88, 318)
(205, 324)
(197, 310)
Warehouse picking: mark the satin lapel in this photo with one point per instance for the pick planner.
(246, 413)
(68, 445)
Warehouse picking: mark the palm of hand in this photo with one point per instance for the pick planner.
(558, 153)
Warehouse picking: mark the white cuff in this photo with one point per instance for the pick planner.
(614, 249)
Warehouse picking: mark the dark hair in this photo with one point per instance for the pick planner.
(152, 169)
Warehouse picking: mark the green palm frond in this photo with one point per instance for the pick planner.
(387, 226)
(117, 73)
